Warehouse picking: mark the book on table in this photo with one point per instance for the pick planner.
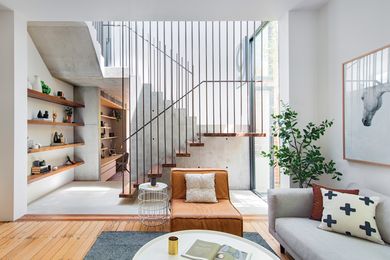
(204, 250)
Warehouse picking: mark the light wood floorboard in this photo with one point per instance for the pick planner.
(72, 239)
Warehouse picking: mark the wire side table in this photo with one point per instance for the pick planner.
(153, 209)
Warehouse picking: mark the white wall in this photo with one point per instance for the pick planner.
(298, 44)
(348, 29)
(42, 134)
(13, 107)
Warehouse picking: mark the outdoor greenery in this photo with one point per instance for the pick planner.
(297, 155)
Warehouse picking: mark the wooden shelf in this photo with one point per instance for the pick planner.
(105, 148)
(34, 178)
(53, 99)
(54, 147)
(108, 103)
(108, 117)
(108, 138)
(106, 127)
(47, 122)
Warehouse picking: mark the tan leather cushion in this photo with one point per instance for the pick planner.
(179, 185)
(221, 209)
(221, 216)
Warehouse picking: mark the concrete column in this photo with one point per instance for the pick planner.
(13, 116)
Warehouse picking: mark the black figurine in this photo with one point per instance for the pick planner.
(40, 114)
(46, 115)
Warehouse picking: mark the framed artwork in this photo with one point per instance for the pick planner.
(366, 107)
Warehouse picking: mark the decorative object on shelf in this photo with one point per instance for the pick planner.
(103, 133)
(40, 116)
(60, 94)
(36, 163)
(297, 155)
(58, 139)
(46, 115)
(45, 88)
(101, 123)
(36, 146)
(117, 115)
(68, 114)
(37, 83)
(55, 168)
(366, 83)
(54, 116)
(29, 85)
(69, 161)
(111, 134)
(30, 143)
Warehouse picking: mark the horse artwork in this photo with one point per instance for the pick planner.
(366, 107)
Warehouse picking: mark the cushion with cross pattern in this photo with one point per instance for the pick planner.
(351, 215)
(316, 210)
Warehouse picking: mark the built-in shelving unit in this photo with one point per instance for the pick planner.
(54, 147)
(110, 125)
(47, 122)
(61, 101)
(53, 99)
(34, 178)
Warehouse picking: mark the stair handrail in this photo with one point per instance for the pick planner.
(147, 41)
(186, 94)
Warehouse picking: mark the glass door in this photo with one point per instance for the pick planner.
(264, 101)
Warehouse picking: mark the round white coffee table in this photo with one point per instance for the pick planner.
(158, 247)
(153, 207)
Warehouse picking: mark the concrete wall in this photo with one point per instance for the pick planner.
(43, 134)
(90, 133)
(348, 29)
(13, 107)
(231, 154)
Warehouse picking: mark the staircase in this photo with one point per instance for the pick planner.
(194, 81)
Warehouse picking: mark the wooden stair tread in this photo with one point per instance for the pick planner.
(219, 134)
(129, 192)
(183, 154)
(169, 165)
(239, 134)
(251, 134)
(195, 144)
(155, 172)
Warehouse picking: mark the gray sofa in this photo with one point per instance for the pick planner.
(288, 214)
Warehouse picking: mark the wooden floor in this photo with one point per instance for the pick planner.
(72, 239)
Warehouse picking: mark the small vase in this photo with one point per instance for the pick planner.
(69, 119)
(37, 84)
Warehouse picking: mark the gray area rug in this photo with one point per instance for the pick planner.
(124, 245)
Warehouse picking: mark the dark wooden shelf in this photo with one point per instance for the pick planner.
(34, 178)
(54, 147)
(53, 99)
(47, 122)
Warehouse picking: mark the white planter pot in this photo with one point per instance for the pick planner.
(37, 83)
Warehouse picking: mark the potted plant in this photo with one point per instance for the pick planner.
(297, 154)
(68, 114)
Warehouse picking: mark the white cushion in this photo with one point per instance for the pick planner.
(351, 215)
(200, 187)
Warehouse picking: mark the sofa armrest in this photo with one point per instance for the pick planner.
(288, 203)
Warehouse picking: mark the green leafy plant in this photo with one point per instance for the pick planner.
(45, 88)
(68, 111)
(297, 155)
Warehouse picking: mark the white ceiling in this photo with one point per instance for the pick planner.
(89, 10)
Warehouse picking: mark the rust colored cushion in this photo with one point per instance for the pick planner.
(316, 211)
